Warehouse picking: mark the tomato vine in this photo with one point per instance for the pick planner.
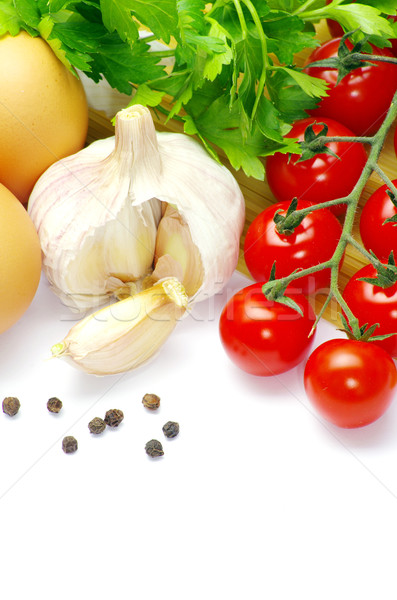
(275, 288)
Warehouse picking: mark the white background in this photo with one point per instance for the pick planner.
(257, 498)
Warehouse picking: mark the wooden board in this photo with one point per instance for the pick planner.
(257, 193)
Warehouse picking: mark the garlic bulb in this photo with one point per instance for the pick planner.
(95, 234)
(134, 209)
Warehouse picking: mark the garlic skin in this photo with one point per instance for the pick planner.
(94, 235)
(97, 212)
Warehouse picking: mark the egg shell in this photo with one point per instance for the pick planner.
(43, 112)
(20, 260)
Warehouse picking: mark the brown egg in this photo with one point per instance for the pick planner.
(20, 259)
(43, 112)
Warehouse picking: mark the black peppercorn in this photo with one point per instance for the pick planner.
(114, 417)
(11, 406)
(154, 448)
(54, 405)
(151, 401)
(69, 444)
(97, 425)
(171, 429)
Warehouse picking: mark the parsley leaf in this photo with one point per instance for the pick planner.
(117, 16)
(230, 76)
(352, 16)
(10, 21)
(160, 16)
(221, 126)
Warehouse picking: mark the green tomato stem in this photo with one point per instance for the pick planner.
(326, 139)
(385, 178)
(370, 257)
(320, 314)
(377, 57)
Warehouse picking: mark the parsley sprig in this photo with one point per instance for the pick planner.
(230, 76)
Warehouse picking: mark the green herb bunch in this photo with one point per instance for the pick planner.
(231, 77)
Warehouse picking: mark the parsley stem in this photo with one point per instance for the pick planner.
(149, 38)
(162, 53)
(263, 41)
(167, 76)
(314, 15)
(241, 18)
(304, 6)
(166, 112)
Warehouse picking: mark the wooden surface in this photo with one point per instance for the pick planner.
(257, 193)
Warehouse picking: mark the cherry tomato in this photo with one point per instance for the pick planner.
(350, 383)
(361, 99)
(321, 178)
(263, 337)
(334, 28)
(376, 236)
(313, 242)
(372, 304)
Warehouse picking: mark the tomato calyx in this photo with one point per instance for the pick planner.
(385, 277)
(286, 224)
(393, 200)
(386, 274)
(274, 289)
(348, 59)
(315, 143)
(366, 332)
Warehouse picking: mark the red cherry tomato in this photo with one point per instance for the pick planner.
(380, 238)
(321, 178)
(313, 242)
(350, 383)
(334, 28)
(361, 99)
(263, 337)
(372, 304)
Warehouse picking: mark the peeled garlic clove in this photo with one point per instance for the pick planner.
(175, 253)
(126, 334)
